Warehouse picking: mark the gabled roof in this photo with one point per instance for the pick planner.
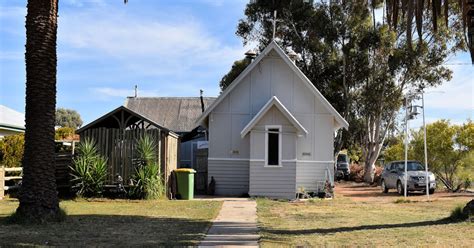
(175, 113)
(341, 122)
(273, 102)
(121, 117)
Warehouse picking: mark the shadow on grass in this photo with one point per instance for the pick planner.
(358, 228)
(106, 230)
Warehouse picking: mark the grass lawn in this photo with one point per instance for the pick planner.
(344, 222)
(103, 222)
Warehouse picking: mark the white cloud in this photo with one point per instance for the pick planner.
(458, 94)
(109, 92)
(82, 3)
(145, 46)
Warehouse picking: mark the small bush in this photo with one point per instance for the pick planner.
(11, 150)
(378, 174)
(402, 200)
(357, 173)
(89, 171)
(457, 214)
(64, 133)
(147, 181)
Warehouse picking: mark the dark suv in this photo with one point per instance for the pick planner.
(342, 166)
(393, 177)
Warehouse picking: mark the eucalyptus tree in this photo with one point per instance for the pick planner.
(361, 63)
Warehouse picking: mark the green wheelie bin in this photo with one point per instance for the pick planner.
(185, 178)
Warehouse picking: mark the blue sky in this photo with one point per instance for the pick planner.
(167, 48)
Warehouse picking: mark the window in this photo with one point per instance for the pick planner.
(273, 146)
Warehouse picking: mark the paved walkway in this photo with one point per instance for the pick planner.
(236, 224)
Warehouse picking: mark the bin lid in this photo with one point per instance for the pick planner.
(188, 170)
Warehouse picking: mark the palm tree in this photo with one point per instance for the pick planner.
(38, 194)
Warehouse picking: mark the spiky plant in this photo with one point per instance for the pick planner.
(89, 171)
(147, 180)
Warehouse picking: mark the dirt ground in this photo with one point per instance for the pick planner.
(364, 192)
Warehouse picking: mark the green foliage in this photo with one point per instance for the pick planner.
(146, 149)
(355, 153)
(147, 183)
(465, 136)
(147, 180)
(452, 165)
(11, 150)
(395, 150)
(68, 118)
(450, 153)
(64, 133)
(89, 171)
(457, 214)
(361, 65)
(237, 68)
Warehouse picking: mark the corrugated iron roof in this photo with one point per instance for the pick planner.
(175, 113)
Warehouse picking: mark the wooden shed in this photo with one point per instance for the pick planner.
(116, 134)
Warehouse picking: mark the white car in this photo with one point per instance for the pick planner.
(393, 177)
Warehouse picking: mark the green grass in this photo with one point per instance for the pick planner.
(343, 222)
(103, 222)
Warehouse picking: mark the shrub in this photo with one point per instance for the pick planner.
(89, 171)
(64, 133)
(11, 150)
(147, 183)
(402, 200)
(357, 173)
(378, 174)
(147, 180)
(457, 214)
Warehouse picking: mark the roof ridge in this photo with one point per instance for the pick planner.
(171, 97)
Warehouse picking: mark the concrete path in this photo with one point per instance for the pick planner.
(236, 225)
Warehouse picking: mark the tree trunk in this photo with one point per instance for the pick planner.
(38, 195)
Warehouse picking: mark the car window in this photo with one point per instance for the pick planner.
(388, 167)
(415, 166)
(342, 158)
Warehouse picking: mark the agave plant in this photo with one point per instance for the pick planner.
(147, 178)
(89, 171)
(146, 149)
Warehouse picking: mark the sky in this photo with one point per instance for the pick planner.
(167, 48)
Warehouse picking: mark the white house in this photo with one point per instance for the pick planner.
(11, 121)
(271, 131)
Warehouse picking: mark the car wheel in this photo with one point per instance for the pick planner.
(400, 189)
(432, 191)
(384, 187)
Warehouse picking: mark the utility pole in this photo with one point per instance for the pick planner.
(427, 178)
(406, 148)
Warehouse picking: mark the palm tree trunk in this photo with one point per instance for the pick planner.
(38, 195)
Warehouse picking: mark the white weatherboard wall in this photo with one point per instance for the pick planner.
(237, 164)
